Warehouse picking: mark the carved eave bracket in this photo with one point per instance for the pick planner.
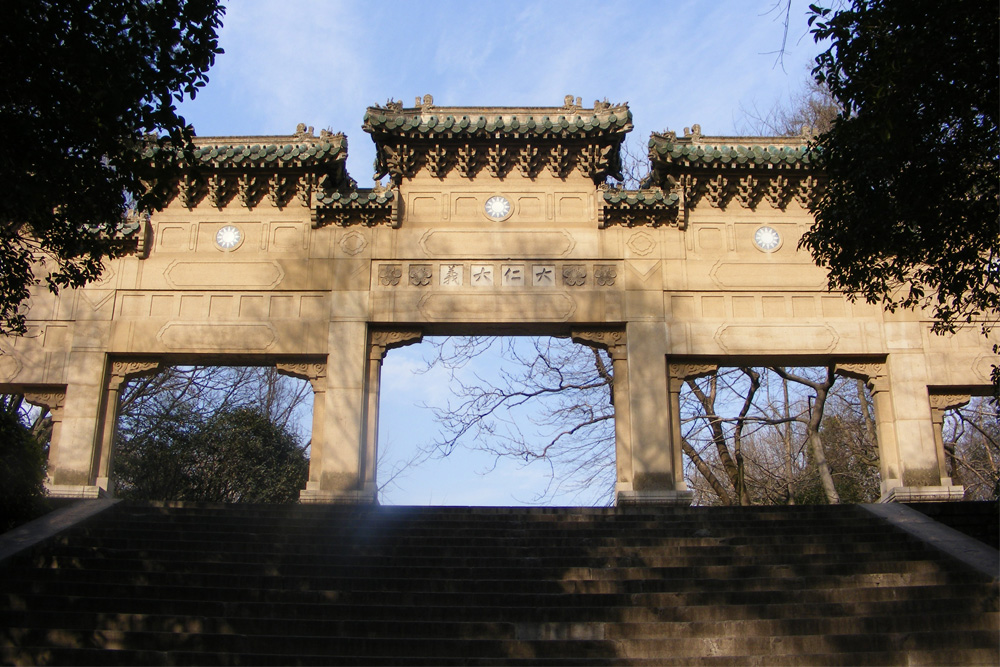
(366, 207)
(650, 207)
(748, 172)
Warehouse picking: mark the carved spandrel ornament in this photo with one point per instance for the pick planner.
(612, 340)
(871, 373)
(314, 373)
(680, 373)
(944, 402)
(123, 371)
(383, 340)
(52, 400)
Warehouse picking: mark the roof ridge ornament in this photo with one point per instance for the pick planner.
(426, 104)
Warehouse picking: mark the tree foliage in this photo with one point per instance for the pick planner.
(909, 216)
(22, 467)
(217, 433)
(85, 86)
(239, 455)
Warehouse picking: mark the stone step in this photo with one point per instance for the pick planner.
(508, 569)
(959, 602)
(407, 646)
(24, 626)
(91, 656)
(70, 556)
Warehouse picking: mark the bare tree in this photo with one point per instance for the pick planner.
(971, 437)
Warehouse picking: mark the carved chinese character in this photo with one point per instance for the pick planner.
(451, 274)
(420, 275)
(512, 275)
(388, 274)
(543, 275)
(574, 275)
(482, 275)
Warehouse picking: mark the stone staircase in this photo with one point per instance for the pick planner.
(247, 585)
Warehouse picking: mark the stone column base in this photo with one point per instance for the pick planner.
(674, 498)
(923, 494)
(319, 497)
(74, 491)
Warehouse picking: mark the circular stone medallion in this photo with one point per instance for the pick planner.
(767, 238)
(497, 208)
(228, 238)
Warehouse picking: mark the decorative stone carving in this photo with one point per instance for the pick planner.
(187, 190)
(689, 371)
(807, 190)
(777, 191)
(122, 371)
(218, 191)
(612, 340)
(50, 399)
(716, 190)
(383, 340)
(437, 161)
(277, 190)
(246, 190)
(574, 275)
(353, 243)
(871, 373)
(949, 401)
(559, 161)
(420, 275)
(528, 160)
(605, 275)
(746, 191)
(314, 373)
(389, 274)
(594, 161)
(496, 160)
(304, 188)
(400, 161)
(465, 160)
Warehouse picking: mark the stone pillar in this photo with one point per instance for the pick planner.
(941, 403)
(908, 461)
(338, 419)
(119, 373)
(315, 374)
(613, 340)
(52, 399)
(649, 470)
(381, 341)
(677, 375)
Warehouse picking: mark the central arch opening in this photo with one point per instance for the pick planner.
(496, 420)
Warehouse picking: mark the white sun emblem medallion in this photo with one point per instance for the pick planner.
(497, 208)
(767, 239)
(228, 238)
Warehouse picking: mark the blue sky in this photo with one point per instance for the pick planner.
(322, 63)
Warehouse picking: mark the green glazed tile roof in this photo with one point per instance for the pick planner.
(527, 122)
(266, 152)
(777, 152)
(359, 198)
(649, 197)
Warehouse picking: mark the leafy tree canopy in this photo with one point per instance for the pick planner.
(910, 213)
(83, 85)
(237, 455)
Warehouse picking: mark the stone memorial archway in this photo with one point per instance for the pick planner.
(491, 220)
